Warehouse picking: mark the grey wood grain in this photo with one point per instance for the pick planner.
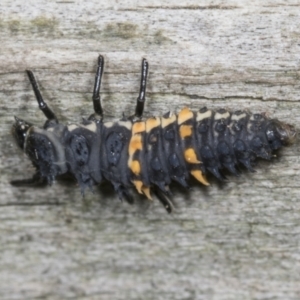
(238, 240)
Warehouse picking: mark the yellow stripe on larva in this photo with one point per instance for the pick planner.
(138, 185)
(199, 176)
(152, 123)
(146, 191)
(184, 115)
(135, 167)
(138, 127)
(142, 189)
(190, 156)
(167, 121)
(185, 130)
(135, 144)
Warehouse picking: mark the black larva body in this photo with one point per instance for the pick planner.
(147, 154)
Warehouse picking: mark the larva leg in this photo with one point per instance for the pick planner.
(123, 193)
(96, 94)
(140, 102)
(164, 200)
(42, 105)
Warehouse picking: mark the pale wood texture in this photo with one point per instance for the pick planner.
(238, 240)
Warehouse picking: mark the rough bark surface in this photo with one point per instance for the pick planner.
(238, 240)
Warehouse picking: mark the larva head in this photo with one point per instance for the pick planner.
(280, 134)
(45, 148)
(20, 131)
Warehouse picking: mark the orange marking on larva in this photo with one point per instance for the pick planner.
(167, 121)
(185, 130)
(146, 191)
(135, 144)
(138, 127)
(135, 167)
(184, 115)
(200, 177)
(190, 156)
(138, 185)
(152, 123)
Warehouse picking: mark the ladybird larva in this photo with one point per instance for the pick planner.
(146, 154)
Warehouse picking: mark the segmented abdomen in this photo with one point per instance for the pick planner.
(174, 147)
(156, 151)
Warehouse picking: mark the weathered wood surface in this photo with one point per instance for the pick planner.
(238, 240)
